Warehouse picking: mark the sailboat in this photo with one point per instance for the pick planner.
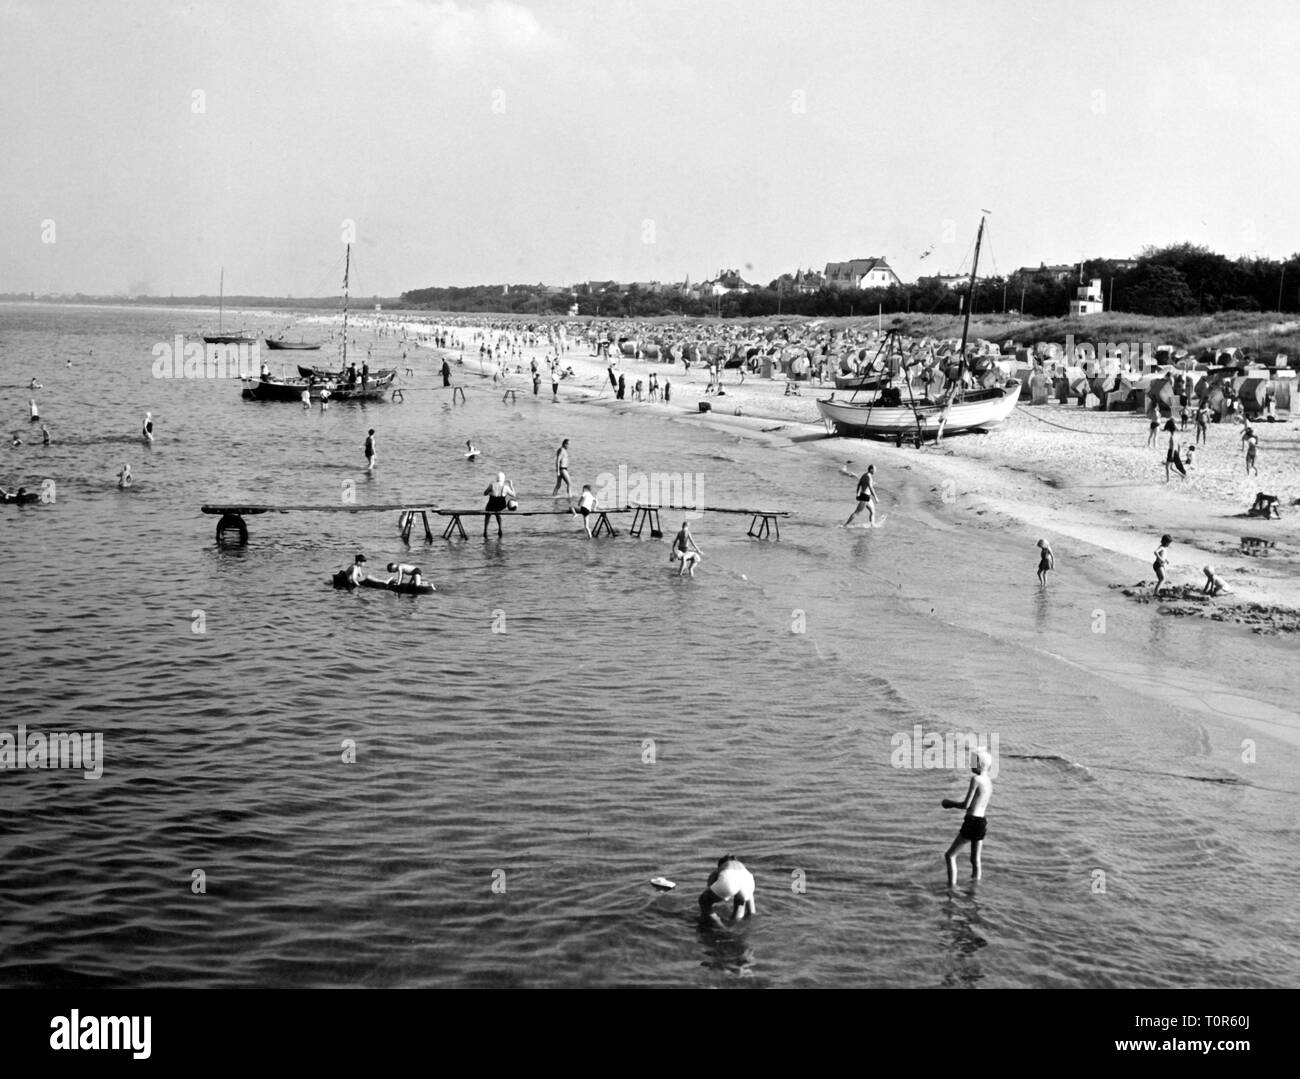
(956, 407)
(220, 338)
(343, 385)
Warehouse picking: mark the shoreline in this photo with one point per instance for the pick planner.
(1026, 471)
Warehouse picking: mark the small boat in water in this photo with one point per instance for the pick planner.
(220, 338)
(297, 346)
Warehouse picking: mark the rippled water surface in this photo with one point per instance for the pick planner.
(513, 792)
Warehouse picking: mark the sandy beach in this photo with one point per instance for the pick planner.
(1084, 480)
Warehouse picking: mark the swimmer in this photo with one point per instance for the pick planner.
(124, 478)
(146, 432)
(866, 498)
(306, 398)
(731, 880)
(500, 493)
(356, 572)
(586, 503)
(684, 548)
(403, 569)
(370, 450)
(975, 825)
(470, 451)
(1214, 585)
(1046, 561)
(15, 441)
(45, 435)
(36, 412)
(324, 400)
(34, 385)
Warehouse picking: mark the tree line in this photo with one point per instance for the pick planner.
(1182, 279)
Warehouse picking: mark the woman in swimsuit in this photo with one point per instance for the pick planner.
(499, 492)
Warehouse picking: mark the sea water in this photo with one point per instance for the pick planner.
(308, 787)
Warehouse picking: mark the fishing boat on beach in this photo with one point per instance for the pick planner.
(973, 396)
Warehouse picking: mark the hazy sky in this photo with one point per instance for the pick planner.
(557, 141)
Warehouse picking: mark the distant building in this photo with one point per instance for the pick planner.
(861, 273)
(807, 282)
(948, 280)
(1058, 273)
(727, 281)
(1088, 299)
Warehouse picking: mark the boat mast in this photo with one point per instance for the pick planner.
(221, 298)
(970, 298)
(347, 265)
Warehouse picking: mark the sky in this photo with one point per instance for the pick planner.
(153, 146)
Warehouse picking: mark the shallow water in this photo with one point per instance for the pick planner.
(513, 792)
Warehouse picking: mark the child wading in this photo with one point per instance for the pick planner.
(1046, 561)
(974, 826)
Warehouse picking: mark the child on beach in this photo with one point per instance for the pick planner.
(1154, 429)
(1162, 560)
(1046, 561)
(1251, 443)
(1214, 585)
(975, 826)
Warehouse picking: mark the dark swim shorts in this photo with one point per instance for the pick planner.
(973, 828)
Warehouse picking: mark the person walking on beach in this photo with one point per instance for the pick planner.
(1154, 429)
(370, 450)
(975, 825)
(500, 494)
(562, 473)
(1046, 561)
(622, 387)
(1172, 457)
(1251, 443)
(1161, 561)
(866, 498)
(731, 880)
(684, 548)
(1202, 421)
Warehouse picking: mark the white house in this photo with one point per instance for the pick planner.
(861, 273)
(1088, 299)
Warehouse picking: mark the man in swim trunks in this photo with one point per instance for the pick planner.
(499, 493)
(974, 827)
(356, 572)
(370, 451)
(404, 570)
(586, 503)
(562, 472)
(684, 548)
(731, 880)
(866, 498)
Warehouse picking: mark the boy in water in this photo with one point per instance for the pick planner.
(974, 826)
(1046, 561)
(731, 880)
(586, 503)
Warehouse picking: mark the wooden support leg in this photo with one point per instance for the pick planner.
(406, 529)
(639, 516)
(428, 532)
(655, 530)
(602, 523)
(232, 522)
(454, 525)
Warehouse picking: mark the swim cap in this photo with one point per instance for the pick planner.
(985, 758)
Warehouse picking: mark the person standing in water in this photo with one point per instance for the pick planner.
(562, 472)
(499, 494)
(684, 548)
(146, 432)
(730, 881)
(36, 412)
(1046, 561)
(974, 827)
(866, 498)
(124, 479)
(45, 435)
(1161, 561)
(586, 505)
(370, 450)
